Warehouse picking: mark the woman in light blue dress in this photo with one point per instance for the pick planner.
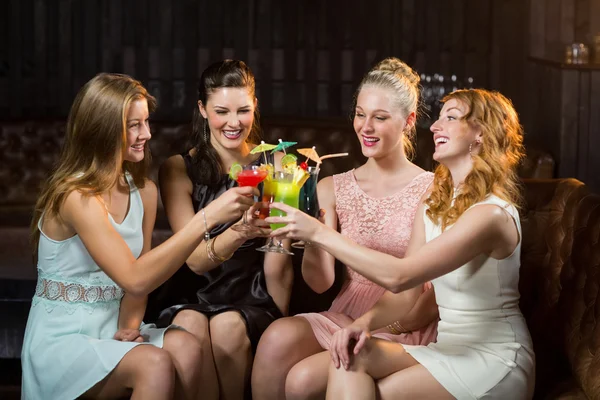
(93, 226)
(466, 239)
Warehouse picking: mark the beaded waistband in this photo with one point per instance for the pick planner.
(74, 292)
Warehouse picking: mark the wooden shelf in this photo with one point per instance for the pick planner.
(563, 65)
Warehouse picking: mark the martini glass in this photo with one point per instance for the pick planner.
(250, 175)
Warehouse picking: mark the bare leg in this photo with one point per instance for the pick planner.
(307, 380)
(146, 370)
(286, 342)
(380, 359)
(186, 353)
(197, 325)
(233, 353)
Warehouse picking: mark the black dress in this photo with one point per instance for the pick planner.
(236, 285)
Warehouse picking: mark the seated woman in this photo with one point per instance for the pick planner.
(230, 293)
(92, 228)
(375, 205)
(467, 239)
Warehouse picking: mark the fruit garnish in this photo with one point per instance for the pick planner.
(288, 159)
(235, 170)
(304, 166)
(269, 168)
(300, 176)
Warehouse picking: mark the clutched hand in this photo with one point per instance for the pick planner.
(347, 342)
(232, 204)
(129, 335)
(261, 227)
(299, 225)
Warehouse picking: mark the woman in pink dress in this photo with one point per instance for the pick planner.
(374, 205)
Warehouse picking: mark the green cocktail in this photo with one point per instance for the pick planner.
(287, 193)
(280, 188)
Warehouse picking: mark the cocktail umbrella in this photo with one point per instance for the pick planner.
(310, 154)
(263, 147)
(282, 146)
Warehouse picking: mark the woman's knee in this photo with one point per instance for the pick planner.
(184, 348)
(153, 364)
(284, 335)
(303, 382)
(228, 332)
(194, 322)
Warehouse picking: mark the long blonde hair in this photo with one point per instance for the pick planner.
(92, 156)
(403, 82)
(494, 168)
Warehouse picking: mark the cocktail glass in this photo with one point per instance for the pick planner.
(250, 175)
(281, 188)
(309, 203)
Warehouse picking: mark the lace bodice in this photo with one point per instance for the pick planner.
(382, 224)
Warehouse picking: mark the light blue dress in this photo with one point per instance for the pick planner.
(68, 345)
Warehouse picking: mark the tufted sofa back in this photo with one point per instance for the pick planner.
(560, 274)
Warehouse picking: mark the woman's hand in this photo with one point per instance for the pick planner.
(299, 225)
(129, 335)
(350, 339)
(261, 227)
(231, 205)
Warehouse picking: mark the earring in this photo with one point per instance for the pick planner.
(206, 132)
(477, 142)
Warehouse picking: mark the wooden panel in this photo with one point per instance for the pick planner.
(583, 131)
(308, 57)
(569, 127)
(593, 144)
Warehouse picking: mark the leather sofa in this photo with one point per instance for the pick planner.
(560, 274)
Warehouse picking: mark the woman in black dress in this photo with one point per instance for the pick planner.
(229, 293)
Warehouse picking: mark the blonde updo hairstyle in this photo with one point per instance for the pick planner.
(403, 82)
(494, 167)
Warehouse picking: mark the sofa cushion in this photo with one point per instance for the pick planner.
(579, 305)
(548, 220)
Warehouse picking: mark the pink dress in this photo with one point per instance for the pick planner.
(382, 224)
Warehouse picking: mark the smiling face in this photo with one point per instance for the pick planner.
(138, 130)
(379, 123)
(230, 115)
(453, 135)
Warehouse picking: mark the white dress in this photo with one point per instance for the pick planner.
(68, 345)
(483, 349)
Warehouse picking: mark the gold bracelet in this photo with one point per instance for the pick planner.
(396, 328)
(214, 257)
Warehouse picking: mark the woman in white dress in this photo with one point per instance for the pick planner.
(93, 228)
(467, 241)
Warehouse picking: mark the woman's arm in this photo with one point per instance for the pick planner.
(413, 308)
(318, 266)
(176, 193)
(133, 307)
(88, 217)
(485, 229)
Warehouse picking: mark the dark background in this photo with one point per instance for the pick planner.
(308, 56)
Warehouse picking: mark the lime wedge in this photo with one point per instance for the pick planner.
(288, 159)
(235, 170)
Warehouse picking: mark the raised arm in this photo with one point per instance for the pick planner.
(412, 308)
(485, 229)
(133, 307)
(318, 266)
(176, 193)
(88, 217)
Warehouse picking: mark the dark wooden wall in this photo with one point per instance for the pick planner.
(562, 112)
(308, 56)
